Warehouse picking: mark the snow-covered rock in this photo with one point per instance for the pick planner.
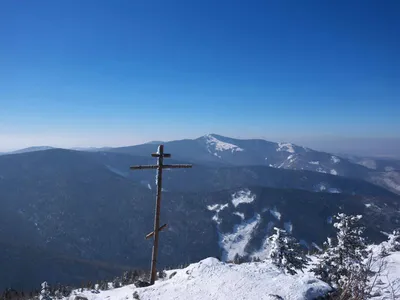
(212, 279)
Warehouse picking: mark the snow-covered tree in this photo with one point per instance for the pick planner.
(393, 242)
(344, 258)
(45, 292)
(285, 252)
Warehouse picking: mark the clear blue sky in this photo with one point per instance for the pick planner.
(100, 72)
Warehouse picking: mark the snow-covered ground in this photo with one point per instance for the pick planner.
(387, 284)
(212, 279)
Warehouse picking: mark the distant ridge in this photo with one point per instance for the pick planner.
(155, 142)
(31, 149)
(91, 149)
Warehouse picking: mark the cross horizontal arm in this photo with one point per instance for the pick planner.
(176, 166)
(165, 155)
(147, 167)
(144, 167)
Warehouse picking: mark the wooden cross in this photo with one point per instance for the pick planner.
(159, 166)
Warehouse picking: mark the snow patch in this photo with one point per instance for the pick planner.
(368, 163)
(275, 213)
(334, 191)
(149, 186)
(316, 246)
(314, 162)
(218, 145)
(236, 242)
(288, 147)
(281, 165)
(217, 208)
(321, 170)
(335, 160)
(241, 215)
(243, 196)
(333, 172)
(368, 205)
(291, 158)
(320, 187)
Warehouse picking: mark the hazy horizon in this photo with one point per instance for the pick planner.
(374, 147)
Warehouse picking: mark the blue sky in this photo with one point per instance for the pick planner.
(80, 73)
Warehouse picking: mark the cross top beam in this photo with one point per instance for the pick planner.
(160, 162)
(160, 155)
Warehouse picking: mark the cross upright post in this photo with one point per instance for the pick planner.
(156, 230)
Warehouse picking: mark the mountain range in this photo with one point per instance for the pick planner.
(82, 214)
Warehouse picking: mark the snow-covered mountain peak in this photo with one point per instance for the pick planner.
(215, 144)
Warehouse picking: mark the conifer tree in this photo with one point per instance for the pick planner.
(394, 241)
(45, 292)
(286, 253)
(345, 255)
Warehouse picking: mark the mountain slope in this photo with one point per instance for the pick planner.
(213, 149)
(32, 149)
(213, 178)
(68, 206)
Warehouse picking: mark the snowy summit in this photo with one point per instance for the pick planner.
(212, 279)
(214, 144)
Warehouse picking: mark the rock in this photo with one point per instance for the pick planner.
(141, 283)
(172, 274)
(80, 298)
